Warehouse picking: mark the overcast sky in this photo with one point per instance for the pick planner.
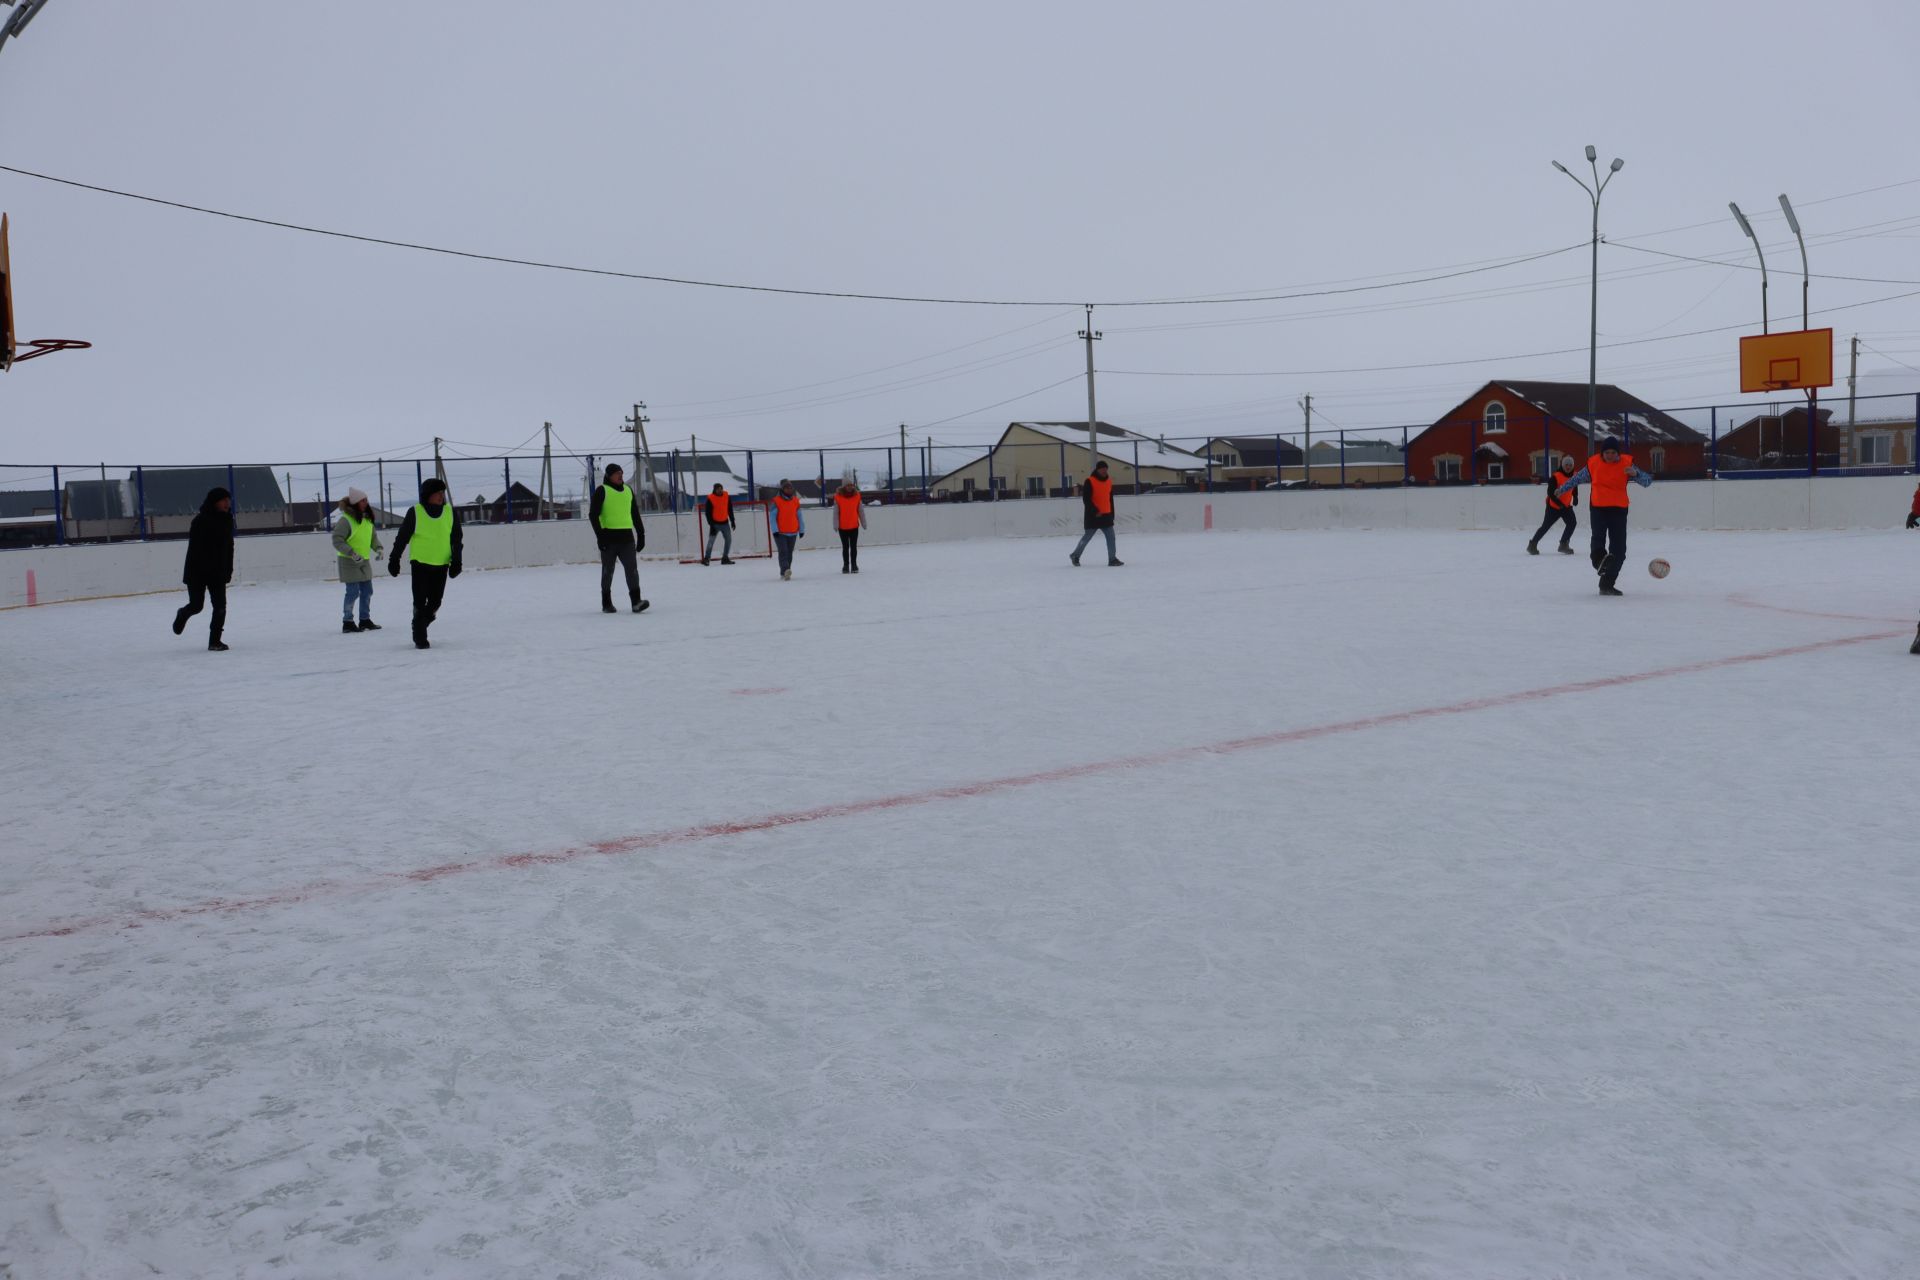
(1028, 151)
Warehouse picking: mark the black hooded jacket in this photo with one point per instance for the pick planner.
(405, 535)
(210, 544)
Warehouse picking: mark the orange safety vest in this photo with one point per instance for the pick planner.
(849, 504)
(1608, 481)
(1573, 495)
(719, 508)
(1102, 491)
(786, 513)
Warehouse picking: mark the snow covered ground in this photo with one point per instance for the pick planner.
(1341, 904)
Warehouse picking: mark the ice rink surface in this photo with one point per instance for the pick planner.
(1317, 905)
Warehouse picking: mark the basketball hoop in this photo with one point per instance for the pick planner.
(47, 346)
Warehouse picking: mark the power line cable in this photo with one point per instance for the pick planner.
(1212, 300)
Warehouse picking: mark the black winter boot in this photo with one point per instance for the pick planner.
(641, 606)
(1533, 548)
(606, 605)
(369, 624)
(214, 645)
(1915, 647)
(348, 628)
(180, 621)
(1565, 550)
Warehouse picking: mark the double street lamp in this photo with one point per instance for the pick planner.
(16, 22)
(1594, 193)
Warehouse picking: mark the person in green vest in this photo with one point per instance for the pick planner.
(430, 537)
(355, 543)
(614, 514)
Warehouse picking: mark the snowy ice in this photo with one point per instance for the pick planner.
(979, 916)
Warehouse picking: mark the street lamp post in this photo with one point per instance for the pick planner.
(1747, 227)
(1805, 278)
(1594, 193)
(16, 22)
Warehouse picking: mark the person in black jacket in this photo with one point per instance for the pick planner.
(1096, 505)
(614, 514)
(1559, 511)
(209, 565)
(433, 527)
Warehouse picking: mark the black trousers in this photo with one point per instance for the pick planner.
(1609, 547)
(849, 548)
(429, 589)
(784, 543)
(618, 547)
(1564, 514)
(198, 593)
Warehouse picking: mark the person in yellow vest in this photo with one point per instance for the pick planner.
(1096, 502)
(355, 544)
(430, 538)
(1607, 476)
(719, 508)
(614, 514)
(789, 526)
(850, 517)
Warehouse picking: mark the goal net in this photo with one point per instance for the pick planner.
(752, 533)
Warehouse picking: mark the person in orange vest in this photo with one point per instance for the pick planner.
(1607, 499)
(1096, 507)
(789, 526)
(1559, 510)
(719, 508)
(850, 517)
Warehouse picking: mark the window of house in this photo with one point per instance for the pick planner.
(1496, 471)
(1446, 469)
(1658, 457)
(966, 484)
(1036, 486)
(1496, 422)
(999, 484)
(1876, 450)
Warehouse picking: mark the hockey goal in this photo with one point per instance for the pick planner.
(752, 532)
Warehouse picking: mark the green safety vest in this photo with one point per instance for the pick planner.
(432, 541)
(359, 538)
(616, 508)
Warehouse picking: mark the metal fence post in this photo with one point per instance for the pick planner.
(1713, 426)
(59, 512)
(1065, 482)
(1136, 468)
(1343, 459)
(506, 494)
(1913, 450)
(823, 477)
(326, 492)
(926, 473)
(1406, 459)
(418, 479)
(232, 489)
(991, 495)
(1546, 448)
(890, 497)
(1209, 471)
(752, 492)
(1473, 451)
(1279, 473)
(140, 494)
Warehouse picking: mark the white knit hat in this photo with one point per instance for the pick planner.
(356, 496)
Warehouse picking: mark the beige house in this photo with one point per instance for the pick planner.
(1049, 459)
(1367, 462)
(1251, 462)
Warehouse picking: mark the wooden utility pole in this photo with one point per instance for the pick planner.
(1090, 335)
(642, 454)
(546, 473)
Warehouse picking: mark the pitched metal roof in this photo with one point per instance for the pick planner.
(1257, 451)
(1567, 401)
(179, 491)
(16, 503)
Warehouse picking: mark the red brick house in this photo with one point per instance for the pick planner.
(1503, 432)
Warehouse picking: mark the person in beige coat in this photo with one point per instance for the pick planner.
(356, 545)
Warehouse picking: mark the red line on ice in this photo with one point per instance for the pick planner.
(911, 799)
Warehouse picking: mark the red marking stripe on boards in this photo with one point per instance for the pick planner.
(911, 799)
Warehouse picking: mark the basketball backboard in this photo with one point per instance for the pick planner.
(1798, 361)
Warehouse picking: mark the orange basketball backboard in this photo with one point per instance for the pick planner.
(1801, 360)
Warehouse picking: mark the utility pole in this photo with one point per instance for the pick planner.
(1306, 454)
(637, 424)
(380, 489)
(546, 473)
(1853, 372)
(1091, 335)
(439, 467)
(903, 453)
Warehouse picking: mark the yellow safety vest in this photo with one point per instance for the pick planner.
(432, 541)
(359, 538)
(616, 508)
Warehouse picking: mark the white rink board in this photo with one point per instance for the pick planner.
(1322, 904)
(1866, 502)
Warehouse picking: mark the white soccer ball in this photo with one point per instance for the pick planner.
(1659, 568)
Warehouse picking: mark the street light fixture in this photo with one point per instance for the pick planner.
(1594, 193)
(1747, 227)
(1805, 278)
(17, 21)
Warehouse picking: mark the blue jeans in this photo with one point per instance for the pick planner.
(1087, 537)
(362, 590)
(784, 543)
(719, 531)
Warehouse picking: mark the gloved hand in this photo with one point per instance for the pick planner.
(454, 570)
(393, 566)
(1913, 519)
